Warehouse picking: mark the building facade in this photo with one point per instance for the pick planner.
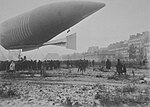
(93, 49)
(120, 49)
(141, 43)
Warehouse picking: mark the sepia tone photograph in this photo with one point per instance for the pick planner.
(74, 53)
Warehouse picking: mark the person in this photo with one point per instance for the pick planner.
(108, 64)
(42, 69)
(39, 65)
(12, 66)
(79, 66)
(124, 70)
(93, 63)
(68, 63)
(84, 65)
(119, 67)
(133, 73)
(144, 61)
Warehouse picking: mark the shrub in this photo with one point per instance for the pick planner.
(129, 88)
(8, 92)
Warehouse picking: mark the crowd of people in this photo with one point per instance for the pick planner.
(120, 66)
(47, 64)
(30, 65)
(57, 64)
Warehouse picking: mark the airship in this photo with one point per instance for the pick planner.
(35, 28)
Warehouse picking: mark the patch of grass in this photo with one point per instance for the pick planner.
(118, 77)
(129, 94)
(8, 92)
(129, 88)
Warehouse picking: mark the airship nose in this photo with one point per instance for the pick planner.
(91, 7)
(94, 5)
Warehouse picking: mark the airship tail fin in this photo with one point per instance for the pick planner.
(71, 41)
(68, 42)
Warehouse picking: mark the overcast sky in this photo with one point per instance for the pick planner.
(113, 23)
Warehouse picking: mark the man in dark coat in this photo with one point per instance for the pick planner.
(119, 67)
(108, 64)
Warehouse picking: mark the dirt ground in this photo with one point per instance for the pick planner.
(70, 88)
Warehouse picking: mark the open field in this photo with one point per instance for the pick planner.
(69, 88)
